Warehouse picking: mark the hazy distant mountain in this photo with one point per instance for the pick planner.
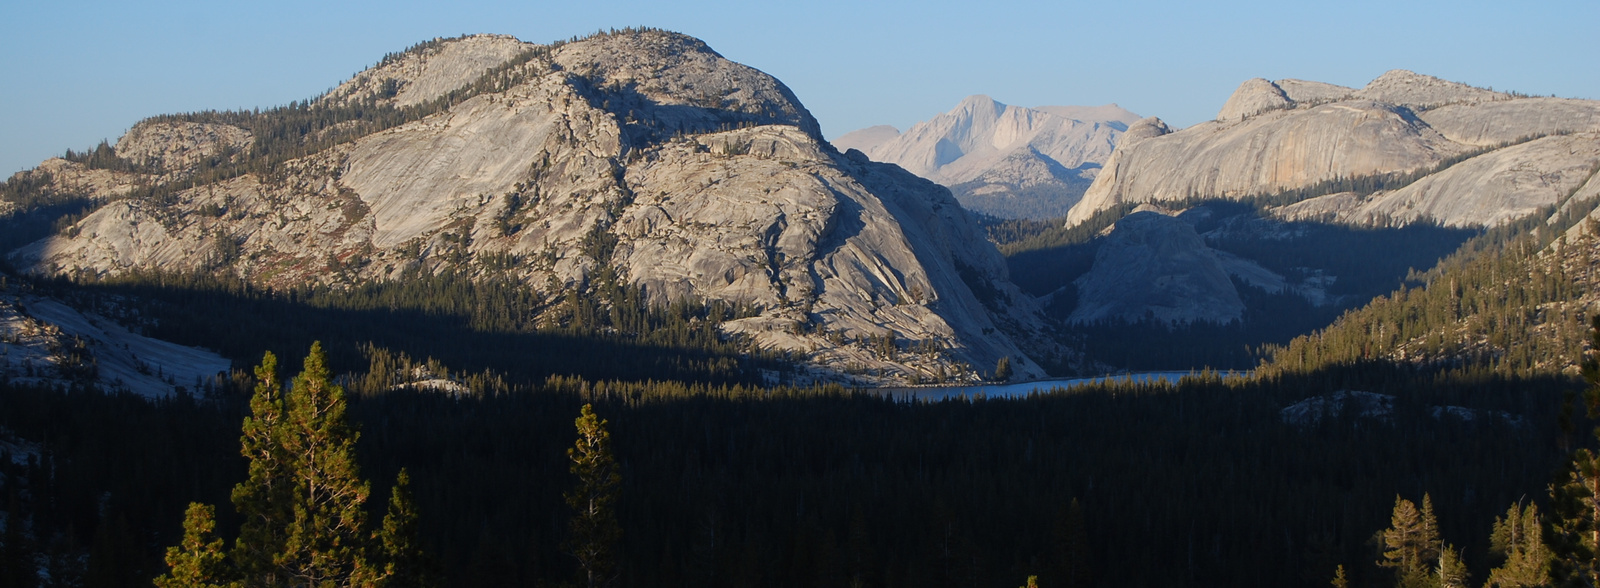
(1003, 160)
(864, 140)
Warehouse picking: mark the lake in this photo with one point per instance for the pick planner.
(1020, 390)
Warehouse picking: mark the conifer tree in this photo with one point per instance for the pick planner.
(325, 539)
(1072, 548)
(199, 561)
(407, 566)
(594, 528)
(1339, 578)
(1452, 571)
(304, 500)
(1002, 369)
(1518, 542)
(263, 499)
(1412, 543)
(1575, 500)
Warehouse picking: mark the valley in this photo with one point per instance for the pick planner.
(880, 360)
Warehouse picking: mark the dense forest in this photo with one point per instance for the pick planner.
(741, 486)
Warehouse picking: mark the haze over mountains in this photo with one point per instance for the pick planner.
(1002, 160)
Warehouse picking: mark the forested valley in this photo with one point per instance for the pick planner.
(1426, 423)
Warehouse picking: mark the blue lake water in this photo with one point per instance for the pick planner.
(1020, 390)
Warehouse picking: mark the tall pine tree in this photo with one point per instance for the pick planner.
(1518, 542)
(263, 499)
(1412, 544)
(595, 532)
(325, 539)
(304, 501)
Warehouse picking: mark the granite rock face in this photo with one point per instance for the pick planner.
(1484, 191)
(429, 71)
(1004, 160)
(177, 146)
(1267, 153)
(1156, 266)
(710, 179)
(1484, 149)
(1253, 97)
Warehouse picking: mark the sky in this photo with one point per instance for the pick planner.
(82, 72)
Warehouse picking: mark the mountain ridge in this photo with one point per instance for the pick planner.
(630, 151)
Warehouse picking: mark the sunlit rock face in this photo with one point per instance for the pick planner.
(1292, 134)
(710, 178)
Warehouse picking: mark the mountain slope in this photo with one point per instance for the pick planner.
(1003, 160)
(642, 155)
(1292, 135)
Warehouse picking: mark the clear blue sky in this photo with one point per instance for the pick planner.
(79, 72)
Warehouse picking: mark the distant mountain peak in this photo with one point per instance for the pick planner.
(982, 147)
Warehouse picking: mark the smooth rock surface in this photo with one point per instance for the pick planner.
(1267, 153)
(614, 134)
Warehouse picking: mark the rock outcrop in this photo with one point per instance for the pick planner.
(1006, 160)
(1407, 88)
(1267, 153)
(1273, 137)
(176, 146)
(428, 71)
(707, 177)
(1253, 97)
(1155, 266)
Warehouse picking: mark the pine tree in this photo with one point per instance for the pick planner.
(1575, 500)
(1339, 578)
(263, 499)
(594, 528)
(406, 565)
(325, 542)
(199, 561)
(1412, 543)
(304, 501)
(1452, 571)
(1002, 369)
(1072, 548)
(1518, 542)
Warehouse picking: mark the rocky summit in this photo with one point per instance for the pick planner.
(645, 153)
(1003, 160)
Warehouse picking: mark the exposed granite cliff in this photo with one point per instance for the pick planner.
(710, 177)
(1292, 135)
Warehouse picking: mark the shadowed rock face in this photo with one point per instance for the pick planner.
(1156, 266)
(618, 134)
(1292, 134)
